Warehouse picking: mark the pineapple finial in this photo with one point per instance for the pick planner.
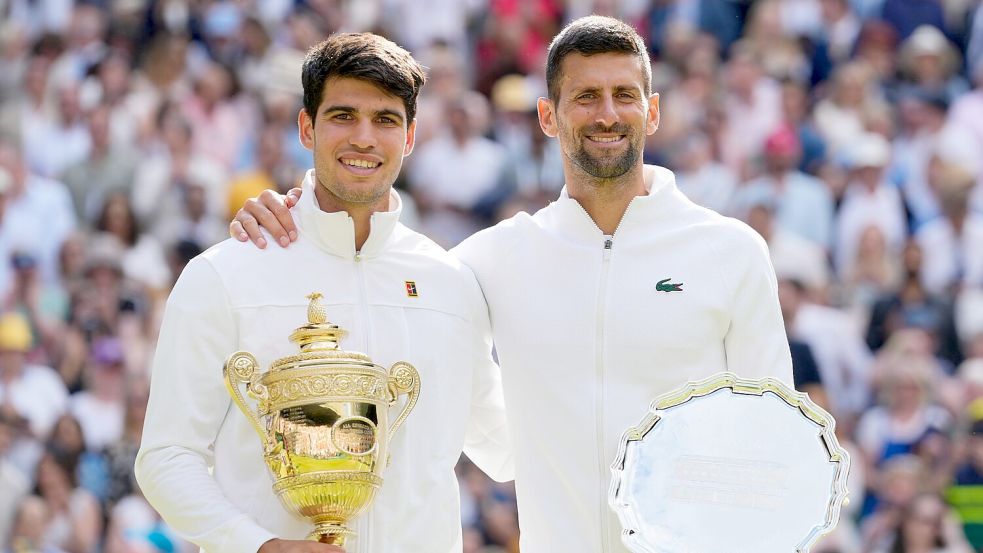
(316, 313)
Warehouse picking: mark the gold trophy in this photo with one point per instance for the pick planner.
(323, 417)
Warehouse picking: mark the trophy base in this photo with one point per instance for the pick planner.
(330, 533)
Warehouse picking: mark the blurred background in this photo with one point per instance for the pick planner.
(849, 133)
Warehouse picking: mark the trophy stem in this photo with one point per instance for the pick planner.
(330, 533)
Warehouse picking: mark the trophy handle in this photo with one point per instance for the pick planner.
(403, 379)
(242, 368)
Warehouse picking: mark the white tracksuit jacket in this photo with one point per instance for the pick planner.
(586, 340)
(235, 296)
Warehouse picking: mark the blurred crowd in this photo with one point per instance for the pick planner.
(848, 133)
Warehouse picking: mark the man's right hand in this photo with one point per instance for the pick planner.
(277, 545)
(270, 211)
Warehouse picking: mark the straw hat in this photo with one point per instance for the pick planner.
(15, 333)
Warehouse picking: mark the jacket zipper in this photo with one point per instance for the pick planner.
(365, 528)
(603, 468)
(599, 377)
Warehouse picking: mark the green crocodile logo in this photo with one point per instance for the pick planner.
(665, 286)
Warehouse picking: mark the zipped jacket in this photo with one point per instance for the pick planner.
(590, 329)
(401, 298)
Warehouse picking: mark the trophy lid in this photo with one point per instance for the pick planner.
(320, 338)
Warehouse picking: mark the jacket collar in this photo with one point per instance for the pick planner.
(335, 232)
(572, 219)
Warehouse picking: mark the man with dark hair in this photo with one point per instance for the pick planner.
(619, 291)
(200, 463)
(595, 35)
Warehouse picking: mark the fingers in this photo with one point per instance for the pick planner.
(236, 231)
(250, 227)
(274, 216)
(293, 196)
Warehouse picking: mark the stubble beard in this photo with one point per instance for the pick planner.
(348, 195)
(607, 167)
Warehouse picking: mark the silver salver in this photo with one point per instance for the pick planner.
(729, 464)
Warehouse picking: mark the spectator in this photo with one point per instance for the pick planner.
(838, 32)
(68, 444)
(38, 213)
(952, 245)
(912, 306)
(869, 200)
(753, 105)
(121, 454)
(75, 523)
(873, 273)
(804, 205)
(219, 120)
(271, 171)
(66, 129)
(930, 63)
(108, 169)
(905, 421)
(143, 258)
(459, 177)
(791, 255)
(841, 356)
(923, 124)
(165, 175)
(31, 527)
(967, 114)
(32, 397)
(839, 117)
(898, 483)
(100, 407)
(795, 111)
(927, 525)
(700, 177)
(130, 115)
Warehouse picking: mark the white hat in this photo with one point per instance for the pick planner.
(871, 150)
(928, 41)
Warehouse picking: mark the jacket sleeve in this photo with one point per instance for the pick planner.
(755, 344)
(188, 403)
(487, 441)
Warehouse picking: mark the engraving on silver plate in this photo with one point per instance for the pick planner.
(755, 484)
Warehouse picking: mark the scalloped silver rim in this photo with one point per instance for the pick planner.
(707, 386)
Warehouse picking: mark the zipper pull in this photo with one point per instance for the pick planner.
(608, 242)
(358, 256)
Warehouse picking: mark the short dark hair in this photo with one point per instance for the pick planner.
(363, 56)
(591, 35)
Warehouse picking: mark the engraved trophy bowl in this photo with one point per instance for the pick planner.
(323, 418)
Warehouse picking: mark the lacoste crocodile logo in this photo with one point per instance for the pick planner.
(665, 286)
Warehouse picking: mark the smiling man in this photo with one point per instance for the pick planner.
(400, 296)
(619, 291)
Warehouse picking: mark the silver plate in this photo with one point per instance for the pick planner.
(729, 464)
